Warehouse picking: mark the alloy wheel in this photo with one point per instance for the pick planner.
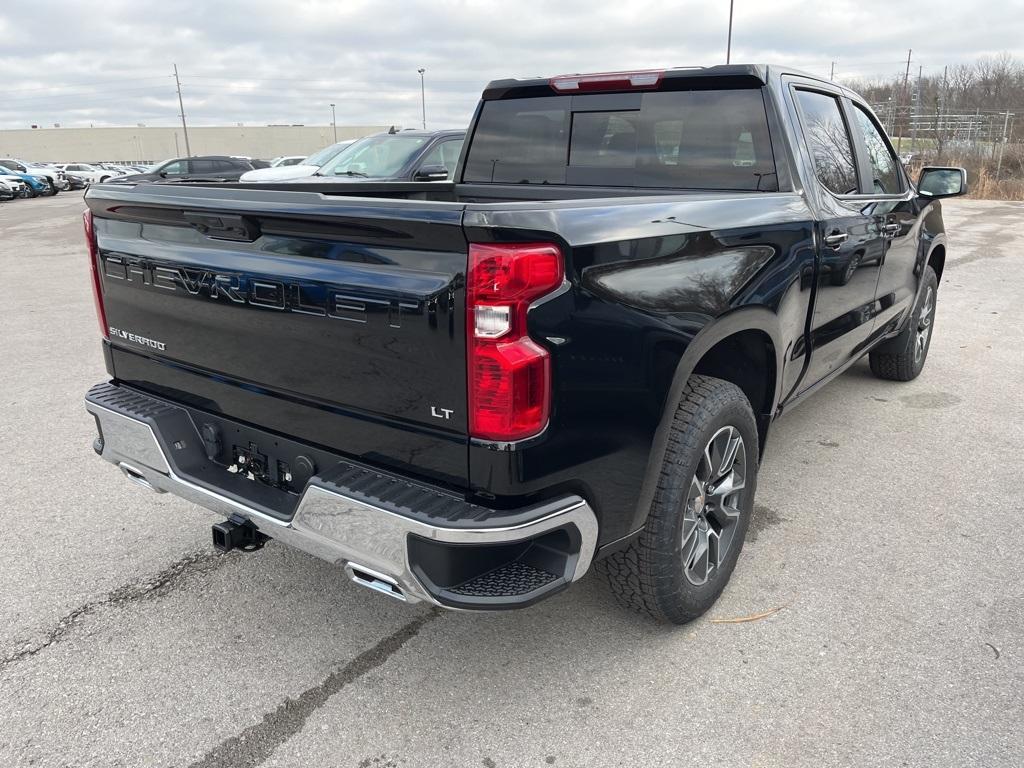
(924, 325)
(712, 505)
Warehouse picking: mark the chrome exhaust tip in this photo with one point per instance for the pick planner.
(371, 579)
(135, 476)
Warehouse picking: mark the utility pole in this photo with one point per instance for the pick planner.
(999, 165)
(915, 116)
(423, 97)
(728, 42)
(334, 124)
(906, 77)
(941, 123)
(832, 73)
(181, 105)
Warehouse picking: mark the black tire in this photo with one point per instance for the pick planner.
(652, 574)
(903, 358)
(53, 187)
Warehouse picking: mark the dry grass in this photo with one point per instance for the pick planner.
(984, 187)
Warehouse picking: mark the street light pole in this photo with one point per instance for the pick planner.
(334, 124)
(728, 43)
(423, 97)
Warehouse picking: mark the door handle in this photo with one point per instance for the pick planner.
(836, 239)
(892, 229)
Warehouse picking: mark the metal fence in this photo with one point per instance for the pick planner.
(984, 128)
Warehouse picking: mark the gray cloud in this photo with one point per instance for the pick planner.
(108, 62)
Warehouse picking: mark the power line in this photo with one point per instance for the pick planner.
(26, 108)
(81, 85)
(21, 99)
(334, 83)
(396, 93)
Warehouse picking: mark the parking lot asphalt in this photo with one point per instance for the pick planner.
(888, 531)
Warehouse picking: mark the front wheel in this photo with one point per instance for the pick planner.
(903, 358)
(679, 565)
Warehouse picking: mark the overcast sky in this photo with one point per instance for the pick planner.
(109, 62)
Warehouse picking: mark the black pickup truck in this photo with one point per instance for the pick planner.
(569, 356)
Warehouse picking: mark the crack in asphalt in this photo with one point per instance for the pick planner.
(252, 746)
(154, 585)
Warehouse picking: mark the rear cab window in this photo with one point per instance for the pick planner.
(699, 139)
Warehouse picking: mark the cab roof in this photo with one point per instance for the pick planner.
(673, 78)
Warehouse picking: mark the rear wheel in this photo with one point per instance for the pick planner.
(903, 358)
(53, 187)
(679, 565)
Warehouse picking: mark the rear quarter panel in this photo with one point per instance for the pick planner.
(645, 280)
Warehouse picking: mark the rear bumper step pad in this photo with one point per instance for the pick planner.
(360, 518)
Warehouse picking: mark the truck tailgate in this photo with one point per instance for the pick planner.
(330, 320)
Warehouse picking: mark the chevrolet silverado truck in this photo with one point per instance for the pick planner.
(570, 356)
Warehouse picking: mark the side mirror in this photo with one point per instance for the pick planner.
(937, 182)
(431, 173)
(162, 174)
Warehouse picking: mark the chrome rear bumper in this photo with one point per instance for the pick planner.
(369, 541)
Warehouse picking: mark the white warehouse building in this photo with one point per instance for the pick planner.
(145, 144)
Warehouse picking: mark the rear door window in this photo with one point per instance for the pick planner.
(206, 166)
(714, 139)
(829, 142)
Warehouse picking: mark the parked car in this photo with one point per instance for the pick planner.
(470, 393)
(93, 174)
(212, 167)
(7, 191)
(288, 160)
(33, 186)
(113, 168)
(76, 182)
(54, 177)
(401, 156)
(307, 167)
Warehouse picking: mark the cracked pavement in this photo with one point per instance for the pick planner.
(888, 525)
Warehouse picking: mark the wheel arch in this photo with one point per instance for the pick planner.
(742, 347)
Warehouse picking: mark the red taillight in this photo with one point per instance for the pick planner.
(94, 269)
(509, 374)
(643, 80)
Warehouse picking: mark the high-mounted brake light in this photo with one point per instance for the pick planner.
(509, 373)
(94, 270)
(644, 80)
